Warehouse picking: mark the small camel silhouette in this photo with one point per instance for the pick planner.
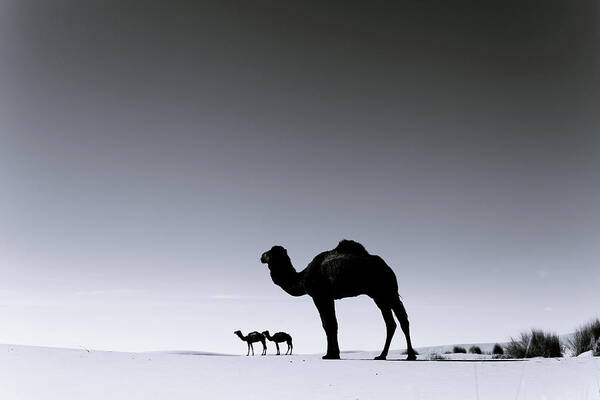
(346, 271)
(253, 337)
(280, 337)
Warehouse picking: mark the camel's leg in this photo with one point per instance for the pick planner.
(291, 347)
(248, 353)
(326, 309)
(277, 345)
(252, 347)
(264, 353)
(390, 326)
(400, 312)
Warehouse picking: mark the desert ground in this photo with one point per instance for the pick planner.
(28, 372)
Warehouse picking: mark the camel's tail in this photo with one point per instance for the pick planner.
(402, 316)
(399, 310)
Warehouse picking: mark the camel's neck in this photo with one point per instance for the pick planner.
(241, 336)
(268, 336)
(286, 277)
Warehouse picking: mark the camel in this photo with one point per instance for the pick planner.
(280, 337)
(253, 337)
(346, 271)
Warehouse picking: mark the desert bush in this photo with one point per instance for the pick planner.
(459, 349)
(586, 337)
(436, 357)
(497, 350)
(517, 348)
(475, 350)
(536, 343)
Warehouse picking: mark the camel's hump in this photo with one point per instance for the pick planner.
(351, 247)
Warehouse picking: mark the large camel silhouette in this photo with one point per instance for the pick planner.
(346, 271)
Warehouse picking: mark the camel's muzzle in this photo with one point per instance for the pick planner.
(264, 258)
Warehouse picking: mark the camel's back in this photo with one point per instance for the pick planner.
(349, 270)
(351, 247)
(281, 337)
(255, 336)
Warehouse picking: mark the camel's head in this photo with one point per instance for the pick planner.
(275, 256)
(237, 333)
(265, 333)
(282, 271)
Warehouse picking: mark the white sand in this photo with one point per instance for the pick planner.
(48, 373)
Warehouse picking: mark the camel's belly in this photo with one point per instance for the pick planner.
(342, 294)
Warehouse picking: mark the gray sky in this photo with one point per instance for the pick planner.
(149, 153)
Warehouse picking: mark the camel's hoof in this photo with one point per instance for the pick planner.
(380, 358)
(411, 357)
(331, 357)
